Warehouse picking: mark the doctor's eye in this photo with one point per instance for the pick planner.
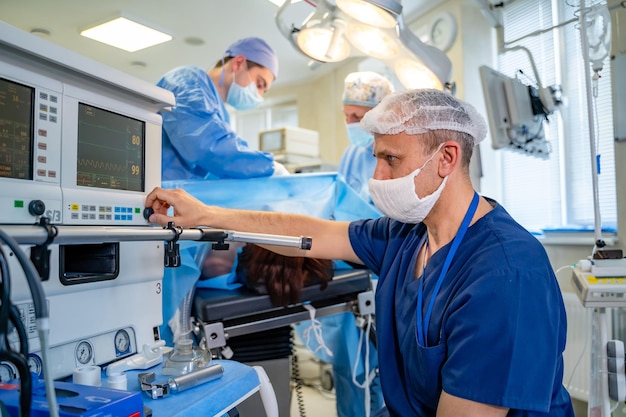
(261, 85)
(391, 159)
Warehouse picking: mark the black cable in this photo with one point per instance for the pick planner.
(32, 277)
(295, 376)
(9, 313)
(16, 320)
(5, 300)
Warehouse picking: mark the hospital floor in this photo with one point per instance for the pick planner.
(311, 396)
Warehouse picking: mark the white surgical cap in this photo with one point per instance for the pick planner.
(418, 111)
(365, 88)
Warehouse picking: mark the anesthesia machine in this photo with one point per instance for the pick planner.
(80, 146)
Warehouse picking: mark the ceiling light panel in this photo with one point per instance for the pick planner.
(126, 34)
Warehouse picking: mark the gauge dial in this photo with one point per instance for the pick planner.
(122, 341)
(35, 365)
(7, 372)
(84, 352)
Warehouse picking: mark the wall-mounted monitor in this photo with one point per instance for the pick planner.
(515, 123)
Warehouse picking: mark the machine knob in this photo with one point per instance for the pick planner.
(147, 212)
(36, 207)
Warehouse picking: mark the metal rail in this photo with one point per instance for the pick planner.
(39, 234)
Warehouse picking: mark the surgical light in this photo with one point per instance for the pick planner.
(373, 41)
(368, 13)
(413, 74)
(326, 44)
(126, 34)
(375, 28)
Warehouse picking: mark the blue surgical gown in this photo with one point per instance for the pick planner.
(198, 141)
(498, 325)
(357, 167)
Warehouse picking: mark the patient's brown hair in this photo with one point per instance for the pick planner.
(283, 276)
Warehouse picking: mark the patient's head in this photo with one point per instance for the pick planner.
(283, 276)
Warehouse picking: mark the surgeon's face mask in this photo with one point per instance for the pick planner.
(243, 97)
(358, 136)
(397, 199)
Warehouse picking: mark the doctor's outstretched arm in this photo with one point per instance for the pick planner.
(330, 238)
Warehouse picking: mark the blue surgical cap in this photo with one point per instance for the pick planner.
(255, 50)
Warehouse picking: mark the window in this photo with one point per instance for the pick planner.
(557, 192)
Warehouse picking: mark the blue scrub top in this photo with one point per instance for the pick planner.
(498, 325)
(198, 141)
(357, 167)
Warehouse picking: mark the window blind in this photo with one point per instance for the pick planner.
(556, 192)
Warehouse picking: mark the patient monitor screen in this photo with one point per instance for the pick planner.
(16, 130)
(111, 150)
(272, 141)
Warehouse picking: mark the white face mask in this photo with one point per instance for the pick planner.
(397, 199)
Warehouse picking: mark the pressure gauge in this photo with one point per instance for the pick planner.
(8, 371)
(84, 352)
(35, 365)
(122, 341)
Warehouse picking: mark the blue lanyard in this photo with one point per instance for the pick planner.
(422, 324)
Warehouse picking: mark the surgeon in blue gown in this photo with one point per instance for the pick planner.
(198, 141)
(470, 318)
(362, 91)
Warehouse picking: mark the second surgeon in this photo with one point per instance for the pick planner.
(198, 141)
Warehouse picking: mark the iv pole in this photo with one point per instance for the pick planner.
(599, 402)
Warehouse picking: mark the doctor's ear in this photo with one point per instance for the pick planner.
(237, 62)
(451, 152)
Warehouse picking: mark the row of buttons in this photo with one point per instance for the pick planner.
(92, 216)
(124, 210)
(44, 108)
(50, 173)
(44, 96)
(107, 209)
(44, 117)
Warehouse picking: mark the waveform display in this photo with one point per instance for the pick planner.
(110, 150)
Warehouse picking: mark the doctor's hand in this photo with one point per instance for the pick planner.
(187, 210)
(280, 170)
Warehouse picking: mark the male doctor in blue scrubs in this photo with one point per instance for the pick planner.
(469, 315)
(198, 141)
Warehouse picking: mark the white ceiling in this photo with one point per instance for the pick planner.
(216, 22)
